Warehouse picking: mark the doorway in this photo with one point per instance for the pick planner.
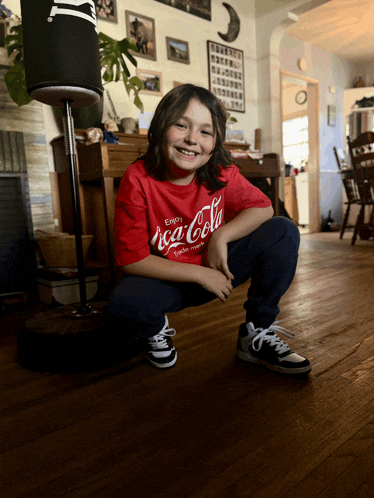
(300, 150)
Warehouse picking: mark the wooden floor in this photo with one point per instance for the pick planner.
(211, 426)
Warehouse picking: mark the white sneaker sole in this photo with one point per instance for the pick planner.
(163, 365)
(276, 368)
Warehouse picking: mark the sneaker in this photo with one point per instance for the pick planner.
(265, 347)
(161, 353)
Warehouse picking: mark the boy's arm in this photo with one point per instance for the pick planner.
(242, 225)
(163, 269)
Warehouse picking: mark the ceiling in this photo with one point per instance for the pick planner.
(343, 27)
(265, 6)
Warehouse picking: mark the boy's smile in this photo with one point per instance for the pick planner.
(188, 144)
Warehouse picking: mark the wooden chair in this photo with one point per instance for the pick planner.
(349, 184)
(361, 151)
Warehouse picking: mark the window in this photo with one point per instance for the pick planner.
(295, 142)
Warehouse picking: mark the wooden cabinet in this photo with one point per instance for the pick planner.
(302, 196)
(290, 200)
(100, 167)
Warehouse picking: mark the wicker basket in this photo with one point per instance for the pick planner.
(59, 251)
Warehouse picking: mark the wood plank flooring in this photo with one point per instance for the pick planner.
(211, 426)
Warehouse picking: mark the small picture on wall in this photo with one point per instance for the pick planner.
(141, 31)
(152, 82)
(226, 75)
(200, 8)
(106, 10)
(331, 115)
(177, 50)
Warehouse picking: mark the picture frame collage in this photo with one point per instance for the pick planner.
(226, 75)
(141, 32)
(225, 63)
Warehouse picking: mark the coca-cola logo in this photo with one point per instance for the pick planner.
(192, 236)
(91, 17)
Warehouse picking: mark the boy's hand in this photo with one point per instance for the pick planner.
(215, 282)
(216, 256)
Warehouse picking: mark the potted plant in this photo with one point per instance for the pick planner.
(230, 121)
(112, 60)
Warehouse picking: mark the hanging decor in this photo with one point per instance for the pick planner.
(200, 8)
(106, 10)
(233, 26)
(141, 31)
(226, 75)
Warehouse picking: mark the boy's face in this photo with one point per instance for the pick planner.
(188, 144)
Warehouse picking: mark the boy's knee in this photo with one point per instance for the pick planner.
(286, 228)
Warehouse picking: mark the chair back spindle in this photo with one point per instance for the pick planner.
(347, 176)
(361, 151)
(362, 157)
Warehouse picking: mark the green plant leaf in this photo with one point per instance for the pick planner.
(14, 41)
(135, 81)
(15, 80)
(134, 84)
(104, 37)
(138, 103)
(112, 60)
(124, 67)
(112, 53)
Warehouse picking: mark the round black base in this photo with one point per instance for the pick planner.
(57, 341)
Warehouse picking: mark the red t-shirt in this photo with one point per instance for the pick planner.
(175, 221)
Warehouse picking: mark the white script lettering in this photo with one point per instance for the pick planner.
(173, 221)
(198, 230)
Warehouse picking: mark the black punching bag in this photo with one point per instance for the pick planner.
(62, 65)
(61, 44)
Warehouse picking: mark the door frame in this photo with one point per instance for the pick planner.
(313, 139)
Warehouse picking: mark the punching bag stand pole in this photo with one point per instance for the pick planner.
(71, 152)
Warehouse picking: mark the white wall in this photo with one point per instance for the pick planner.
(181, 25)
(196, 31)
(291, 109)
(13, 5)
(331, 71)
(366, 69)
(256, 39)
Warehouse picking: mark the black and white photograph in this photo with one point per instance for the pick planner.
(226, 75)
(106, 10)
(141, 32)
(200, 8)
(152, 82)
(177, 50)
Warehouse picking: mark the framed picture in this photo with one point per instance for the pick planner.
(141, 32)
(152, 82)
(331, 115)
(106, 10)
(226, 75)
(177, 50)
(200, 8)
(236, 136)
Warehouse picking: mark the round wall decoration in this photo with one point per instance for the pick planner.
(302, 64)
(301, 97)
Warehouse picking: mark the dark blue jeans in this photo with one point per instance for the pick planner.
(268, 257)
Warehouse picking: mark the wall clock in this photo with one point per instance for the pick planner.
(301, 97)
